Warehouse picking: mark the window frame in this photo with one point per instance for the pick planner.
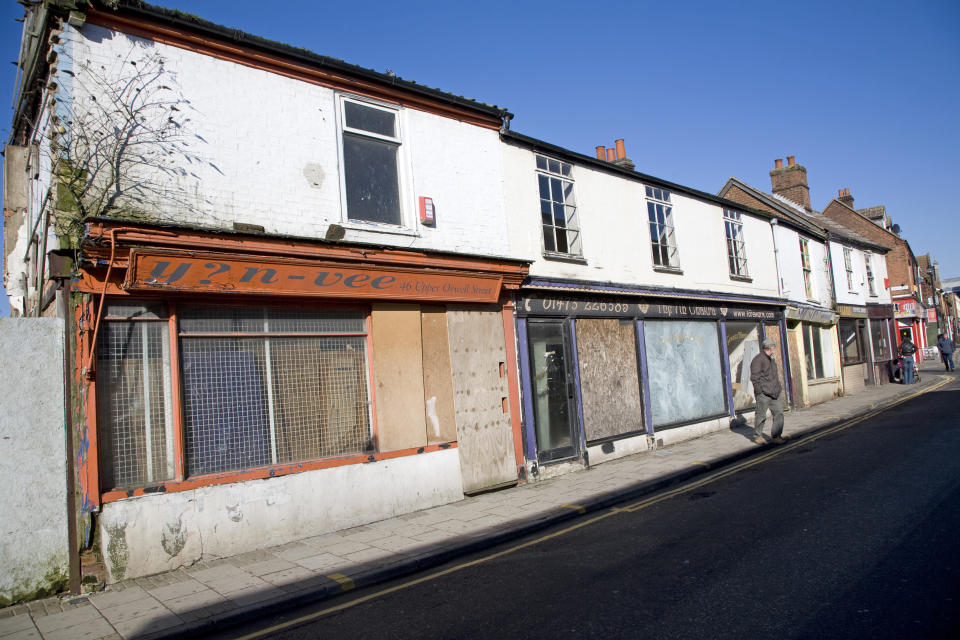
(859, 328)
(181, 481)
(813, 351)
(736, 244)
(571, 220)
(848, 266)
(806, 267)
(404, 223)
(868, 271)
(659, 204)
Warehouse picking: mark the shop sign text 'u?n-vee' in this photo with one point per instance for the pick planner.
(210, 272)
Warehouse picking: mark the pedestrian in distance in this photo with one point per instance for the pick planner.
(907, 349)
(767, 389)
(945, 345)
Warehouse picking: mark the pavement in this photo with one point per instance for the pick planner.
(210, 594)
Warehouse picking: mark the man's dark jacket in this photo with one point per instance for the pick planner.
(945, 345)
(763, 375)
(907, 348)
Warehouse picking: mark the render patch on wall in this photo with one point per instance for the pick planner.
(314, 174)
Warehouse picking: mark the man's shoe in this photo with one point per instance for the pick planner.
(779, 440)
(759, 440)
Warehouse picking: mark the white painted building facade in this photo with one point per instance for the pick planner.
(303, 326)
(640, 292)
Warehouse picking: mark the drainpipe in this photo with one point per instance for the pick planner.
(72, 535)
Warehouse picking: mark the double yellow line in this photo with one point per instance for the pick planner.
(637, 506)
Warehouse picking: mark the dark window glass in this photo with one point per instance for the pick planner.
(358, 116)
(370, 168)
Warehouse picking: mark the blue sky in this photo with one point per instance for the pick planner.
(866, 95)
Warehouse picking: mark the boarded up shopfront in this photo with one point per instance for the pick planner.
(605, 376)
(358, 384)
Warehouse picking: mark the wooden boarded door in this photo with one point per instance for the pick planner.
(484, 433)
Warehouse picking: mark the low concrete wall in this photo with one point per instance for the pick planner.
(34, 546)
(161, 532)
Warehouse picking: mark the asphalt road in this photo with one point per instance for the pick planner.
(855, 534)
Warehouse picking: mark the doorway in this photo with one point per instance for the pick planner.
(554, 401)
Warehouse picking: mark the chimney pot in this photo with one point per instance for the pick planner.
(846, 191)
(791, 160)
(621, 149)
(601, 152)
(839, 193)
(778, 163)
(611, 154)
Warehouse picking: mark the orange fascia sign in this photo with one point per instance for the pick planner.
(217, 273)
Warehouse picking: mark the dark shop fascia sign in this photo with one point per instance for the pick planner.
(611, 307)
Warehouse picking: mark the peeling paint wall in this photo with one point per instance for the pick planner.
(34, 544)
(160, 532)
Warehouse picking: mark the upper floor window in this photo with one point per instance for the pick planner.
(371, 145)
(805, 265)
(558, 207)
(736, 251)
(848, 265)
(663, 240)
(868, 269)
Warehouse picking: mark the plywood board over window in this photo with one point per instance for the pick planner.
(437, 376)
(484, 432)
(398, 376)
(609, 384)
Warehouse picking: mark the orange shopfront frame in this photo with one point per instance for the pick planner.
(417, 310)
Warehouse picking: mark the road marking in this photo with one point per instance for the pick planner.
(705, 464)
(345, 583)
(637, 506)
(575, 507)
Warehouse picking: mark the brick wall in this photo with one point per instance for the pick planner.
(899, 261)
(791, 182)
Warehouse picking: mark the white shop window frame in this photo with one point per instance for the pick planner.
(407, 224)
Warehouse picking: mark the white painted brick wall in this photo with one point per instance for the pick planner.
(261, 138)
(616, 235)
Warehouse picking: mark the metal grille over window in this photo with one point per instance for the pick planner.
(134, 412)
(558, 207)
(736, 249)
(663, 240)
(293, 388)
(259, 387)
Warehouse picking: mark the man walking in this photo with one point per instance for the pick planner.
(766, 387)
(907, 349)
(945, 345)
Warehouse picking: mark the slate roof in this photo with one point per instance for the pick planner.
(786, 210)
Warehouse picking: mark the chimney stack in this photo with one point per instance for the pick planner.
(846, 198)
(616, 155)
(790, 182)
(622, 159)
